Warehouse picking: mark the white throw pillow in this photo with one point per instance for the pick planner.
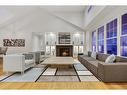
(93, 55)
(110, 59)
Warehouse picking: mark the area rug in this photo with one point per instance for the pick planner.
(80, 67)
(50, 71)
(42, 73)
(76, 73)
(85, 73)
(2, 77)
(88, 79)
(66, 72)
(30, 75)
(58, 79)
(40, 66)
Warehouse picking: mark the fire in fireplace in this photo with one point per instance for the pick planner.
(65, 53)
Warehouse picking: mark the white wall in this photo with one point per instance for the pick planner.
(38, 22)
(10, 33)
(91, 15)
(42, 42)
(36, 44)
(108, 14)
(73, 17)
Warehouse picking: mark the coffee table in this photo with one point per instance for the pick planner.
(59, 62)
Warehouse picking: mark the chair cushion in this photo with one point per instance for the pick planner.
(28, 56)
(28, 62)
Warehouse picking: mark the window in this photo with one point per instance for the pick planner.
(94, 41)
(123, 39)
(101, 39)
(111, 28)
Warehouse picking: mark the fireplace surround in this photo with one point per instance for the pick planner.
(64, 50)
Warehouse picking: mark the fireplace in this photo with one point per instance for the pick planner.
(64, 50)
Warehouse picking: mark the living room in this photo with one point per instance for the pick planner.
(63, 43)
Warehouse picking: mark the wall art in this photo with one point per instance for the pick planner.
(14, 42)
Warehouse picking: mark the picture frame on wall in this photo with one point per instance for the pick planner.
(14, 42)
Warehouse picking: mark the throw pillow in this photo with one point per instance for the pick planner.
(110, 59)
(89, 53)
(93, 55)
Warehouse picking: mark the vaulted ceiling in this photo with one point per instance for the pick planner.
(36, 16)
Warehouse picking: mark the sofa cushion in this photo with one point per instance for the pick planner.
(89, 59)
(93, 55)
(120, 59)
(110, 59)
(93, 67)
(89, 53)
(102, 57)
(95, 63)
(84, 55)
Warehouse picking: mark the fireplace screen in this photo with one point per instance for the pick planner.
(65, 51)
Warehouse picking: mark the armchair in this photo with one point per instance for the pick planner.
(18, 62)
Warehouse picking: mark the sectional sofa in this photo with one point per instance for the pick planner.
(106, 72)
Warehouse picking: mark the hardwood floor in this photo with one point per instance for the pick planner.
(63, 85)
(60, 85)
(1, 66)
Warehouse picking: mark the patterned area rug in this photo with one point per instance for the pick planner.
(30, 75)
(78, 73)
(40, 73)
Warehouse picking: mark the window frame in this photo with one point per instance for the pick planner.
(122, 35)
(99, 39)
(110, 27)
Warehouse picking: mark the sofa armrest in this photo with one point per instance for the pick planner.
(112, 72)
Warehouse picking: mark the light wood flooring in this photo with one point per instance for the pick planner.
(61, 85)
(1, 66)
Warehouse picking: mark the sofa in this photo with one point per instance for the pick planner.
(105, 72)
(18, 62)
